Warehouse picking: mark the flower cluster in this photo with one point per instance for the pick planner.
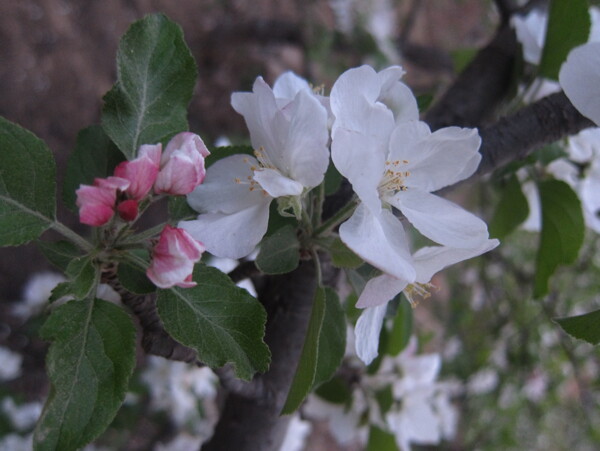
(176, 171)
(420, 410)
(288, 129)
(393, 161)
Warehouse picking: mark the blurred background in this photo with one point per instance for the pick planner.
(512, 378)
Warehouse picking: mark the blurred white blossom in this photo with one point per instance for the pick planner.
(10, 364)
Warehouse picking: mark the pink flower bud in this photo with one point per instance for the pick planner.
(173, 258)
(182, 165)
(97, 203)
(141, 171)
(128, 209)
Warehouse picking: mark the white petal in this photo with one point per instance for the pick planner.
(276, 184)
(357, 158)
(360, 82)
(380, 290)
(533, 223)
(221, 193)
(305, 146)
(590, 197)
(367, 331)
(288, 84)
(379, 240)
(580, 79)
(230, 235)
(441, 220)
(430, 260)
(265, 121)
(531, 33)
(397, 96)
(438, 159)
(584, 145)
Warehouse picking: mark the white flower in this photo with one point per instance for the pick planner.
(393, 160)
(482, 382)
(10, 364)
(23, 416)
(288, 130)
(531, 33)
(296, 434)
(36, 293)
(177, 388)
(423, 413)
(381, 289)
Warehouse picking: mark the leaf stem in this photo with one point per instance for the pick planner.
(72, 236)
(342, 214)
(315, 256)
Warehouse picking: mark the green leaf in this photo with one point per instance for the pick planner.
(462, 57)
(59, 253)
(332, 339)
(304, 377)
(401, 329)
(89, 363)
(335, 391)
(180, 210)
(562, 231)
(95, 155)
(134, 279)
(221, 321)
(27, 185)
(342, 256)
(280, 252)
(84, 277)
(568, 26)
(60, 290)
(380, 440)
(512, 209)
(583, 327)
(156, 74)
(424, 101)
(333, 180)
(385, 399)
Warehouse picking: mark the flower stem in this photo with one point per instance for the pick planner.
(318, 202)
(72, 236)
(342, 214)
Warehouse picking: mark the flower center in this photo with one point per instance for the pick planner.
(393, 180)
(263, 163)
(417, 292)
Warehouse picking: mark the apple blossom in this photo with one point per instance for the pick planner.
(97, 203)
(579, 77)
(395, 161)
(381, 289)
(290, 141)
(181, 165)
(141, 171)
(173, 258)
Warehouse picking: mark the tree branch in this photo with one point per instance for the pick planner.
(155, 339)
(250, 418)
(516, 136)
(478, 90)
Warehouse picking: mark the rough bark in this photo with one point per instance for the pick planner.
(516, 136)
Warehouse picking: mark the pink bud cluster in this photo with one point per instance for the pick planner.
(177, 171)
